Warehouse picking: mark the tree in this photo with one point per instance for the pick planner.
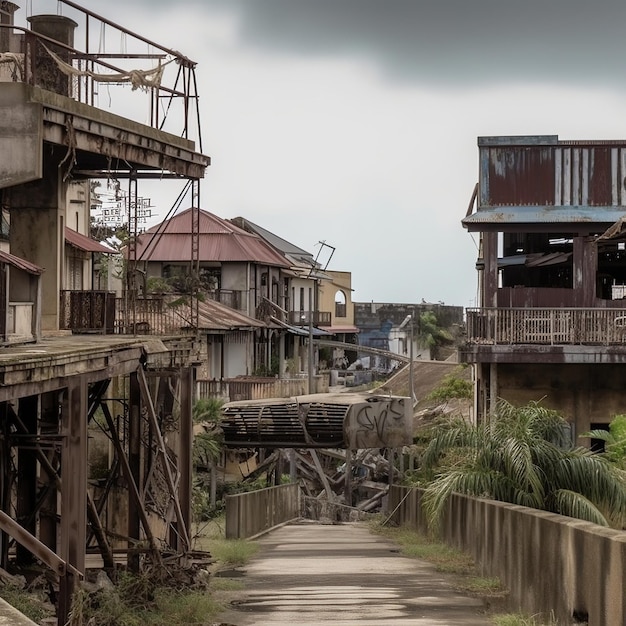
(523, 455)
(431, 335)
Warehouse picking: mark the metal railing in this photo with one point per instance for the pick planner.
(301, 318)
(551, 326)
(165, 76)
(253, 388)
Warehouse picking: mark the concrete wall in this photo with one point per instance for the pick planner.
(584, 393)
(550, 563)
(248, 514)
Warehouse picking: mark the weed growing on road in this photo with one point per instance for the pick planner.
(517, 619)
(446, 559)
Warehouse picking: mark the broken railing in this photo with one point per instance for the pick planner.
(550, 326)
(111, 56)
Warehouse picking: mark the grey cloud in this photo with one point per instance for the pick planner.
(447, 41)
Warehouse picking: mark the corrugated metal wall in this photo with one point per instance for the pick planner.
(565, 174)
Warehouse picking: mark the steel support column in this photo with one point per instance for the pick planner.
(134, 462)
(73, 489)
(185, 461)
(27, 473)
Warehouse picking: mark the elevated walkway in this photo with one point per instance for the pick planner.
(310, 574)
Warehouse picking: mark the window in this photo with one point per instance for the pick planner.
(340, 303)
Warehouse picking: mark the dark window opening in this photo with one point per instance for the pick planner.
(598, 445)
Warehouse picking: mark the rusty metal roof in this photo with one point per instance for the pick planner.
(214, 316)
(219, 240)
(82, 242)
(517, 215)
(19, 263)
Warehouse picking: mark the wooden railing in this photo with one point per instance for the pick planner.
(301, 318)
(237, 300)
(546, 326)
(259, 388)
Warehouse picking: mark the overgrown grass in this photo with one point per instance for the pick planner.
(445, 559)
(210, 536)
(136, 601)
(25, 602)
(518, 619)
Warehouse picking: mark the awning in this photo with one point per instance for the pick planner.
(502, 216)
(19, 263)
(302, 331)
(85, 243)
(338, 329)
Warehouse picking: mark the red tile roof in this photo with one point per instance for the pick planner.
(219, 240)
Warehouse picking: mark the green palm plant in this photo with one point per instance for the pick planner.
(523, 455)
(207, 444)
(614, 440)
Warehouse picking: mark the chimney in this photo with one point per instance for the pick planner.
(47, 74)
(7, 11)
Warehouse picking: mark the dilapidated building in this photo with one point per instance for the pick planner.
(551, 324)
(56, 382)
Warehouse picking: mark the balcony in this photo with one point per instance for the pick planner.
(101, 312)
(301, 318)
(237, 300)
(546, 326)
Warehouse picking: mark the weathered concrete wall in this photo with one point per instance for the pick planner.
(248, 514)
(584, 393)
(550, 563)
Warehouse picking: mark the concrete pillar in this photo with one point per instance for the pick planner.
(38, 208)
(7, 11)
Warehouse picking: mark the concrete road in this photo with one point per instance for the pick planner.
(309, 574)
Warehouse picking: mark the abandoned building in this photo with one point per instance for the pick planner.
(551, 324)
(57, 382)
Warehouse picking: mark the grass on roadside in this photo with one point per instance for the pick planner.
(445, 559)
(25, 602)
(451, 561)
(518, 619)
(210, 536)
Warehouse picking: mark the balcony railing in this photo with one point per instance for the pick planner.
(102, 312)
(546, 326)
(301, 318)
(237, 300)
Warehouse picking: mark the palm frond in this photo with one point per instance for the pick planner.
(572, 504)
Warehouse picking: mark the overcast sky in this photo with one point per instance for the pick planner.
(354, 122)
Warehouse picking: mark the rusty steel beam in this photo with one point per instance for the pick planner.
(161, 448)
(73, 489)
(36, 547)
(98, 531)
(132, 485)
(185, 461)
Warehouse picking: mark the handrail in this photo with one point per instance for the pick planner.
(552, 326)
